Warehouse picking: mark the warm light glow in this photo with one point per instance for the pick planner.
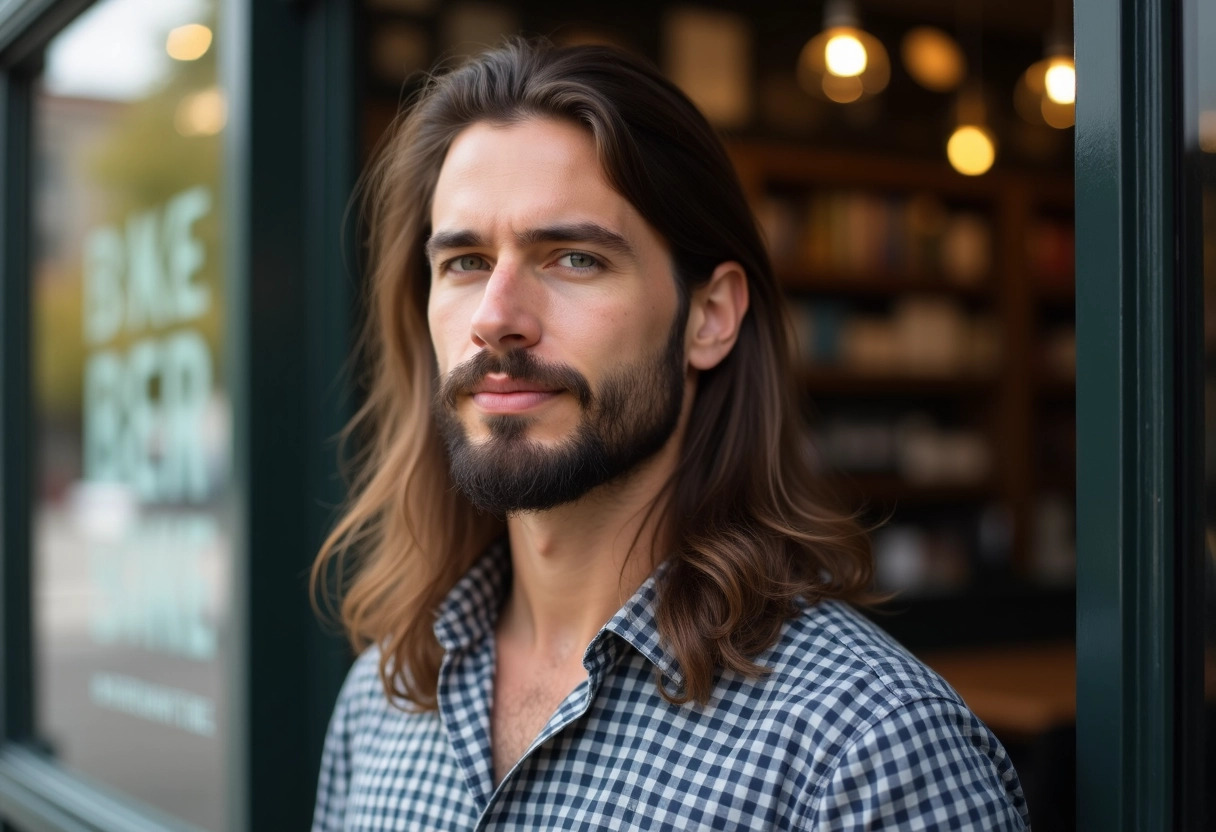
(844, 55)
(816, 78)
(971, 150)
(1028, 93)
(189, 42)
(1207, 131)
(1035, 104)
(842, 90)
(1059, 116)
(933, 59)
(203, 113)
(1061, 81)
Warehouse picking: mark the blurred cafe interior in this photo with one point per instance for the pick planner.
(180, 301)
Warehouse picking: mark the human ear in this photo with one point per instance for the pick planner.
(715, 314)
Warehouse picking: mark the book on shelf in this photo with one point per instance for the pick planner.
(864, 234)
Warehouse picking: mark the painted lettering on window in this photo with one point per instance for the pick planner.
(149, 393)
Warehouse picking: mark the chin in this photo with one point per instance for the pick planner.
(502, 427)
(514, 427)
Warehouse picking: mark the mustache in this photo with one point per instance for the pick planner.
(518, 364)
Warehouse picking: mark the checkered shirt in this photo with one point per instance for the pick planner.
(848, 732)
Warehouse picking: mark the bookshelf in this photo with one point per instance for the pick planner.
(934, 314)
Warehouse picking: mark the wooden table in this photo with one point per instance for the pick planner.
(1018, 691)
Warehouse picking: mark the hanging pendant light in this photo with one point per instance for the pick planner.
(971, 148)
(843, 63)
(1047, 91)
(933, 59)
(1060, 79)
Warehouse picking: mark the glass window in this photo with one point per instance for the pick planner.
(1206, 90)
(132, 532)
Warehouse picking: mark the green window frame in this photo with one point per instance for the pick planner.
(1139, 419)
(291, 151)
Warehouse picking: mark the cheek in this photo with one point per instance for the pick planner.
(597, 338)
(443, 321)
(588, 324)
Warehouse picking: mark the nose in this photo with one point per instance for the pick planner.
(506, 318)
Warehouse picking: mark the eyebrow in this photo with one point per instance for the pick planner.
(579, 232)
(443, 240)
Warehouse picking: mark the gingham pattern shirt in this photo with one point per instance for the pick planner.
(848, 732)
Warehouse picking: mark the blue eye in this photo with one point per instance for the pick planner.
(469, 263)
(579, 260)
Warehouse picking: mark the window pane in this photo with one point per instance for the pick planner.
(131, 527)
(1206, 90)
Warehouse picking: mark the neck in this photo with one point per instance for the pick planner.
(574, 566)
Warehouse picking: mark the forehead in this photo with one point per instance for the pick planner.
(523, 175)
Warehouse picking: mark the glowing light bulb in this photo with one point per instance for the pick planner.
(971, 150)
(1059, 116)
(203, 113)
(1061, 81)
(1034, 101)
(933, 59)
(843, 64)
(189, 42)
(845, 56)
(842, 90)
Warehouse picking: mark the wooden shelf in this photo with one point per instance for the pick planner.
(997, 608)
(877, 284)
(1056, 294)
(1057, 387)
(887, 489)
(834, 381)
(1003, 404)
(776, 162)
(1058, 480)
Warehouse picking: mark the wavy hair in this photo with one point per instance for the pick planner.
(750, 530)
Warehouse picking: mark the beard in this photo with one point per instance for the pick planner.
(622, 424)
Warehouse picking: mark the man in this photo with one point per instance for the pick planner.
(585, 557)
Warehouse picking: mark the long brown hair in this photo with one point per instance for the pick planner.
(751, 533)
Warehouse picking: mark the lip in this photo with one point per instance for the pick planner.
(497, 383)
(503, 394)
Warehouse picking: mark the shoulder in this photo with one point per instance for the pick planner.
(381, 764)
(337, 758)
(362, 683)
(833, 674)
(362, 696)
(904, 748)
(829, 649)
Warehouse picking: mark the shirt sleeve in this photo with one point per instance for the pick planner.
(333, 782)
(928, 764)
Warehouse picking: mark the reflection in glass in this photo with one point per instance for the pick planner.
(131, 528)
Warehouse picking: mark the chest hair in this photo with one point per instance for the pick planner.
(525, 697)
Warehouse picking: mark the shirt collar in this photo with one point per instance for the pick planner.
(637, 624)
(470, 611)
